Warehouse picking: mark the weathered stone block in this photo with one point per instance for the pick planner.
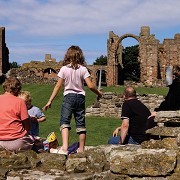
(76, 164)
(52, 161)
(143, 162)
(164, 131)
(166, 143)
(168, 114)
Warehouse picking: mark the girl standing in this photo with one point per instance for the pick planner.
(72, 75)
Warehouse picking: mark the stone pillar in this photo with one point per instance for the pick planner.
(113, 61)
(1, 48)
(4, 53)
(148, 52)
(177, 41)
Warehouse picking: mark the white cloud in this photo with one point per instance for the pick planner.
(59, 18)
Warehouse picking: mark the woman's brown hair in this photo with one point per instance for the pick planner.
(12, 85)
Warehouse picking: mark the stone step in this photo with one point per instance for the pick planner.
(164, 131)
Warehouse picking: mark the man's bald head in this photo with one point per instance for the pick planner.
(129, 92)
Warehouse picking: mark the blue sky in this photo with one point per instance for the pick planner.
(38, 27)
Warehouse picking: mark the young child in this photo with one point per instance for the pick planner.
(72, 75)
(35, 114)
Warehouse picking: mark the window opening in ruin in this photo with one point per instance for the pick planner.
(158, 70)
(131, 65)
(103, 77)
(49, 71)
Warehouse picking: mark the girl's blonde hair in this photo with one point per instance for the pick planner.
(74, 56)
(26, 96)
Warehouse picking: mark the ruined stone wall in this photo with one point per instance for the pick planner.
(4, 53)
(39, 72)
(113, 59)
(1, 48)
(110, 104)
(153, 56)
(169, 53)
(0, 54)
(148, 50)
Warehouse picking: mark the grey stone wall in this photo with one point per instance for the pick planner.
(110, 104)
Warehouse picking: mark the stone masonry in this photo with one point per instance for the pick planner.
(153, 56)
(4, 53)
(110, 104)
(156, 159)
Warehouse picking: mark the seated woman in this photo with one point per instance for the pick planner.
(14, 118)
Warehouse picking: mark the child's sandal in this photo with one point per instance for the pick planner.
(58, 151)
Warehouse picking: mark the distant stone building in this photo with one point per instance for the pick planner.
(49, 69)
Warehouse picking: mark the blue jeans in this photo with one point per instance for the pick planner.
(116, 140)
(73, 104)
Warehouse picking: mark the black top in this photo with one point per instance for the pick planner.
(137, 113)
(172, 100)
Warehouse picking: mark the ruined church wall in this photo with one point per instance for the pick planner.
(154, 57)
(4, 53)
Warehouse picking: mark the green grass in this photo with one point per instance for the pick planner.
(140, 90)
(99, 129)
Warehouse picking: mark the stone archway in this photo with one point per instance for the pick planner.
(94, 70)
(148, 56)
(125, 68)
(119, 45)
(49, 72)
(115, 64)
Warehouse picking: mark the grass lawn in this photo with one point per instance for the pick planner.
(99, 129)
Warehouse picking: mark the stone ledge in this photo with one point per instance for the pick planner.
(168, 114)
(100, 162)
(164, 131)
(143, 162)
(111, 100)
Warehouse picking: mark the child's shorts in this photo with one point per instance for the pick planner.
(73, 104)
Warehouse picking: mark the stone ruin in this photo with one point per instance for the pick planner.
(154, 57)
(156, 159)
(4, 54)
(111, 102)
